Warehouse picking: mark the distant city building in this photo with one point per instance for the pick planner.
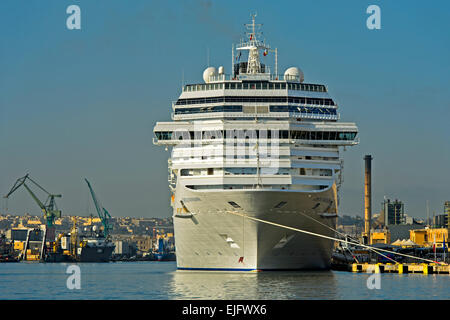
(125, 248)
(409, 220)
(393, 212)
(120, 225)
(143, 243)
(440, 221)
(447, 212)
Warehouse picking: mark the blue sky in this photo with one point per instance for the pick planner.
(82, 103)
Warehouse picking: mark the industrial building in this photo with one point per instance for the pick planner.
(18, 238)
(440, 221)
(447, 212)
(393, 212)
(392, 223)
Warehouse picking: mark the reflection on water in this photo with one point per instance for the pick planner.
(160, 280)
(274, 285)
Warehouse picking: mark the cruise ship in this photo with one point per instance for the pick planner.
(254, 144)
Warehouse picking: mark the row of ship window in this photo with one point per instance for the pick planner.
(302, 100)
(281, 134)
(255, 86)
(293, 109)
(249, 187)
(253, 171)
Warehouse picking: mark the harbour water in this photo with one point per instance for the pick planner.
(161, 281)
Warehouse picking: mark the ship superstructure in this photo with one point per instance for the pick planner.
(259, 144)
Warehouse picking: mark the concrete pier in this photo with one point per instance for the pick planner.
(400, 268)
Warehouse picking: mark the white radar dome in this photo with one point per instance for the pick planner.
(294, 74)
(210, 71)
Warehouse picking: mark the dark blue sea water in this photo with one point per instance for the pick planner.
(161, 280)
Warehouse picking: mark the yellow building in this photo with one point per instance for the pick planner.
(34, 222)
(383, 236)
(426, 237)
(419, 236)
(89, 221)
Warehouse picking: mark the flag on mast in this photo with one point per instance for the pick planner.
(443, 244)
(434, 246)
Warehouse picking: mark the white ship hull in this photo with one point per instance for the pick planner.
(209, 237)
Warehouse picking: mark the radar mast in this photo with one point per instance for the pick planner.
(253, 45)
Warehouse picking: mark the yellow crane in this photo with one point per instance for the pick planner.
(74, 238)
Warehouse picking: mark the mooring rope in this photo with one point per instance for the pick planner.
(327, 237)
(343, 235)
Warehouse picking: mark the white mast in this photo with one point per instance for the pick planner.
(253, 45)
(253, 66)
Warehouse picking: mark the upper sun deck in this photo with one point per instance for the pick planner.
(248, 92)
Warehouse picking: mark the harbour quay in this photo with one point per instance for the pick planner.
(400, 268)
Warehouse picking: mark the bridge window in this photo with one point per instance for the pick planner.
(323, 135)
(163, 135)
(256, 85)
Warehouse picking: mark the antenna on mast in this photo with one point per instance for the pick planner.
(252, 27)
(232, 60)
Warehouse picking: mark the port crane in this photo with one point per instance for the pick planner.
(103, 214)
(49, 207)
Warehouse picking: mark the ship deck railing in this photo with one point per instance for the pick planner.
(316, 116)
(355, 141)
